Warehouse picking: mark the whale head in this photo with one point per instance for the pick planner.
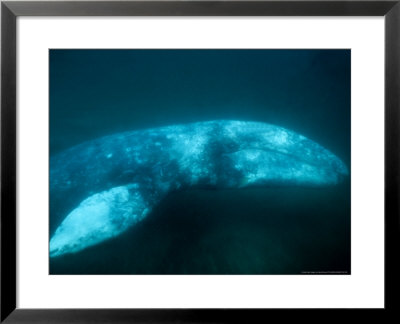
(263, 154)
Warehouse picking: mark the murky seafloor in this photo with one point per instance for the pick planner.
(272, 230)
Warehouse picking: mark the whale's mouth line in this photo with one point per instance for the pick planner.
(292, 157)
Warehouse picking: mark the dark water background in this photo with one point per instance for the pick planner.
(275, 230)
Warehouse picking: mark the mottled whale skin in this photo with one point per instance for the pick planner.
(100, 188)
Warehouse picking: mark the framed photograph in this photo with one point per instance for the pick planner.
(198, 161)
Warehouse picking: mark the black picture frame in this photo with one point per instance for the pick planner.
(10, 10)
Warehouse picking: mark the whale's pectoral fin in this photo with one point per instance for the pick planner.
(98, 218)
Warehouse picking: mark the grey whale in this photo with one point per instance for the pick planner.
(100, 188)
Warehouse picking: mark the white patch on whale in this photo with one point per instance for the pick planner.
(97, 218)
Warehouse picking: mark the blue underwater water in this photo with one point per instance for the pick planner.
(246, 226)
